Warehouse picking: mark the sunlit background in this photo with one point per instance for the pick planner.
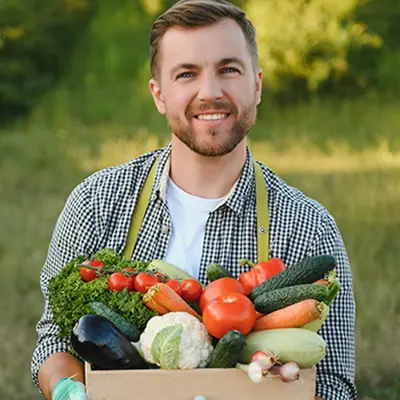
(74, 99)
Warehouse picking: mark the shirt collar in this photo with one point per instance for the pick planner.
(162, 173)
(235, 199)
(243, 186)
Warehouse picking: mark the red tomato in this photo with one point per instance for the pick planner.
(191, 290)
(118, 282)
(220, 287)
(88, 274)
(161, 277)
(129, 272)
(229, 312)
(144, 281)
(128, 269)
(174, 284)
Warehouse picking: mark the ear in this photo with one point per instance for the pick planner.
(259, 80)
(155, 89)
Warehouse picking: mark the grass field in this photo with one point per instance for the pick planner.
(357, 177)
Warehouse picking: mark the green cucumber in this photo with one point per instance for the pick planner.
(217, 271)
(334, 289)
(127, 328)
(270, 301)
(304, 347)
(227, 351)
(306, 271)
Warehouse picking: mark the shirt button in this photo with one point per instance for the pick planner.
(165, 229)
(262, 229)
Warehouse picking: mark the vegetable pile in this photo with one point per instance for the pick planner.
(70, 295)
(131, 314)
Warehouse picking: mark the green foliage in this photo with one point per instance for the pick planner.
(378, 67)
(36, 38)
(108, 71)
(306, 43)
(382, 17)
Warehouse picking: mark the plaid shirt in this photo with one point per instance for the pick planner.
(98, 213)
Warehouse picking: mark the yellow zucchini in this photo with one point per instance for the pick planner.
(304, 347)
(171, 271)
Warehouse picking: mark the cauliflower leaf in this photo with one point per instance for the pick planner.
(165, 347)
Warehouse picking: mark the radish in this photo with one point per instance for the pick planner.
(254, 370)
(289, 372)
(260, 365)
(274, 371)
(267, 360)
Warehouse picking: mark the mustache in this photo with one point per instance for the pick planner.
(195, 110)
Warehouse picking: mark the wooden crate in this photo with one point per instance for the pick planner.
(214, 384)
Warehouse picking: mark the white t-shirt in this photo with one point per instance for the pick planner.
(189, 216)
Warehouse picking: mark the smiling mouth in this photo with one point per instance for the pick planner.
(212, 117)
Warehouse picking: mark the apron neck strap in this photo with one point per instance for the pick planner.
(139, 212)
(262, 215)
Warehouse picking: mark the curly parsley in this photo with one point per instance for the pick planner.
(69, 295)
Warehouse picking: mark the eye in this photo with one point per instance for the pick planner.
(230, 70)
(185, 75)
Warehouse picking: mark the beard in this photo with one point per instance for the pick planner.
(215, 142)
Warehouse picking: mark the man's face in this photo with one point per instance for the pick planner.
(207, 86)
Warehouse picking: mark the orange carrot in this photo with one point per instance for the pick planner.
(259, 315)
(292, 316)
(166, 297)
(324, 282)
(153, 305)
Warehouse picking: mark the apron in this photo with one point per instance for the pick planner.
(261, 207)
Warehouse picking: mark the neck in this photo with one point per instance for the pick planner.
(206, 177)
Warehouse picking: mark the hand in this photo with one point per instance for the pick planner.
(69, 389)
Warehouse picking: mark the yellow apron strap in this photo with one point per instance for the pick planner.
(262, 215)
(139, 212)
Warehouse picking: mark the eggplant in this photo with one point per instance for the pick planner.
(100, 343)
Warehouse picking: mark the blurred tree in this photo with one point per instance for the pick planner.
(151, 7)
(305, 43)
(379, 67)
(36, 39)
(383, 17)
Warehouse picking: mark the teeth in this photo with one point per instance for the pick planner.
(212, 117)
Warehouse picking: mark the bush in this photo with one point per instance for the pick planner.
(305, 44)
(379, 67)
(383, 17)
(36, 38)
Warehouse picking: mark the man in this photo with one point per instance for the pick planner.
(202, 208)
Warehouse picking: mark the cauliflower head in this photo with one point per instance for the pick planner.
(195, 343)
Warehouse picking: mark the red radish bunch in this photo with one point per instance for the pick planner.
(266, 365)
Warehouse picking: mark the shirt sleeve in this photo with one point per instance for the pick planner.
(69, 239)
(336, 372)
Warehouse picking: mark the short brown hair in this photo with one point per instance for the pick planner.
(198, 13)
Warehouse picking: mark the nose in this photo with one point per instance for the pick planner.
(210, 88)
